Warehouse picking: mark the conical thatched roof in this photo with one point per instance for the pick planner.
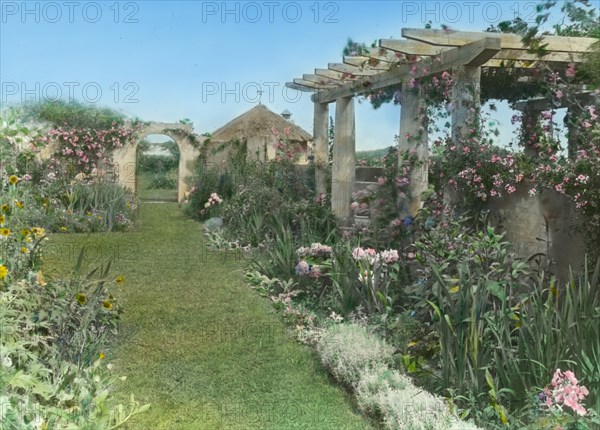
(259, 122)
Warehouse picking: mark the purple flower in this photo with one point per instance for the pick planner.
(302, 268)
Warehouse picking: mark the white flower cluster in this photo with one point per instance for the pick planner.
(388, 256)
(214, 199)
(315, 250)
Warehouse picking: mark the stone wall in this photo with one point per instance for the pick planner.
(539, 227)
(541, 224)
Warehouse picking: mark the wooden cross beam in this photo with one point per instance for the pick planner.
(411, 47)
(543, 103)
(326, 73)
(313, 85)
(382, 54)
(509, 41)
(471, 54)
(352, 70)
(320, 79)
(298, 87)
(363, 62)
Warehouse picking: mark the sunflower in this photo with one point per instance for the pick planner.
(107, 304)
(5, 232)
(24, 250)
(3, 271)
(120, 279)
(13, 180)
(25, 232)
(5, 208)
(81, 298)
(19, 204)
(2, 219)
(102, 356)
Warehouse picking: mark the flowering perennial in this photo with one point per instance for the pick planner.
(565, 391)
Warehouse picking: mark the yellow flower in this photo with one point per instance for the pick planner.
(107, 304)
(13, 180)
(24, 250)
(5, 208)
(63, 228)
(40, 279)
(2, 219)
(27, 239)
(4, 232)
(25, 232)
(38, 231)
(120, 279)
(3, 271)
(19, 204)
(81, 299)
(102, 356)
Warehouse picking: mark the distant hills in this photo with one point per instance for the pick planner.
(372, 154)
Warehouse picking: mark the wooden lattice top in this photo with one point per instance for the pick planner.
(434, 51)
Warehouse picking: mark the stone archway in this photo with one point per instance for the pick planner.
(126, 160)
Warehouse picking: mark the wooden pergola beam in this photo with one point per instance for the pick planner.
(297, 87)
(520, 55)
(313, 85)
(411, 47)
(511, 64)
(382, 54)
(352, 70)
(326, 73)
(320, 79)
(470, 54)
(509, 41)
(543, 103)
(363, 62)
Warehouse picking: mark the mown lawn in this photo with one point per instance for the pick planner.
(204, 349)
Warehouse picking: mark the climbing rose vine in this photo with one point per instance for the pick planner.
(86, 149)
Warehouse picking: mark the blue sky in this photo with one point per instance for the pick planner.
(169, 60)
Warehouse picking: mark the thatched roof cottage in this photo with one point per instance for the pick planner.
(254, 131)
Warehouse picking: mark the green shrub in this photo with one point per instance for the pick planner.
(163, 181)
(157, 163)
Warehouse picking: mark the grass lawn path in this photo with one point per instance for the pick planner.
(204, 349)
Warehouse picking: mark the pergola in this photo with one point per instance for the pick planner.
(429, 52)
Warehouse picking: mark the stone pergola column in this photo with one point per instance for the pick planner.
(529, 121)
(344, 163)
(574, 113)
(465, 96)
(321, 145)
(413, 140)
